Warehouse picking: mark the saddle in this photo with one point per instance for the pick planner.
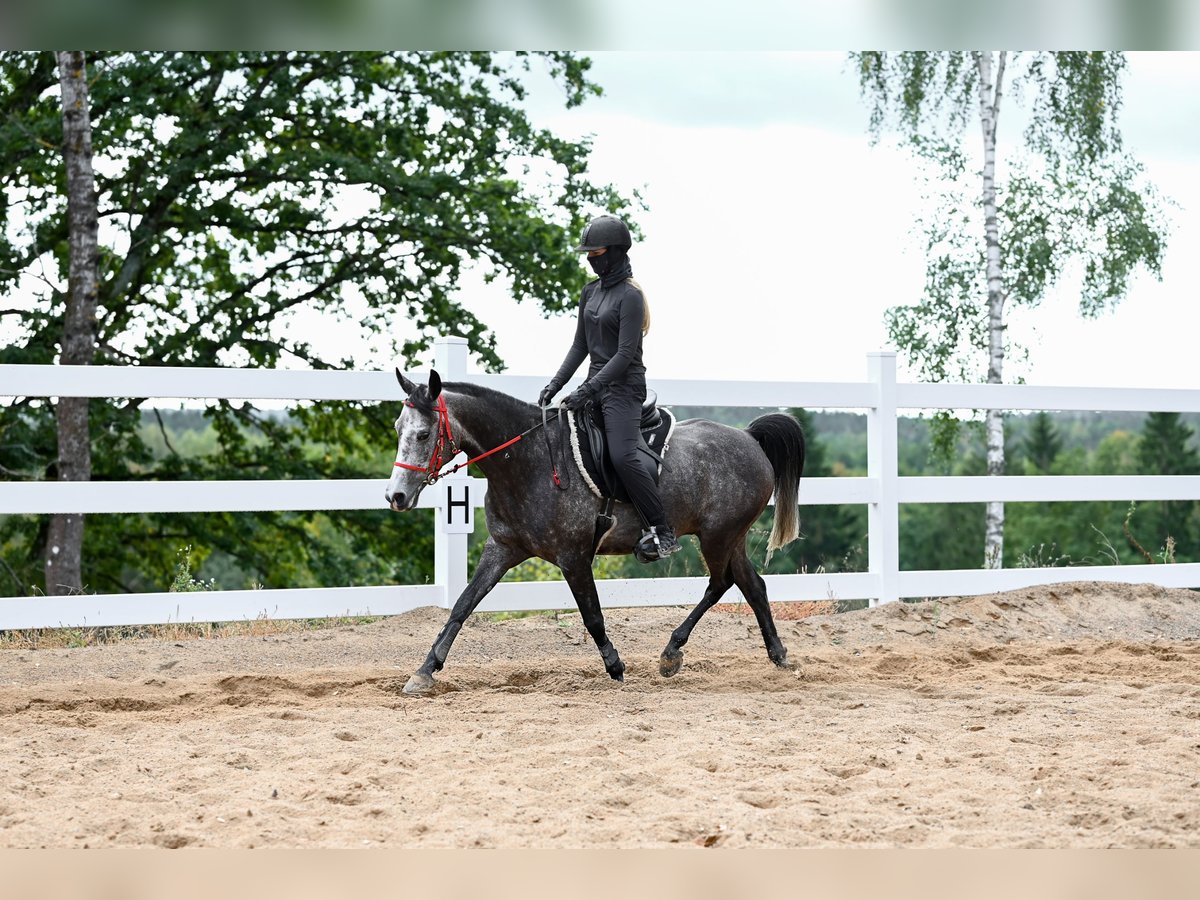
(591, 449)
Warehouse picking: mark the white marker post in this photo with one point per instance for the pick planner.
(455, 510)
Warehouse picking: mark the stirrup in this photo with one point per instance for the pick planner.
(650, 547)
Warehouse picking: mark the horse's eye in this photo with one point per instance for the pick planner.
(423, 436)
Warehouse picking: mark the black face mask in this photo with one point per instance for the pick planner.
(600, 264)
(612, 266)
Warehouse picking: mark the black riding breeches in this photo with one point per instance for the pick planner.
(622, 407)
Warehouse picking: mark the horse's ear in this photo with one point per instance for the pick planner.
(408, 386)
(435, 384)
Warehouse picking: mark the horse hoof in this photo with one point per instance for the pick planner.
(782, 661)
(669, 663)
(419, 684)
(618, 675)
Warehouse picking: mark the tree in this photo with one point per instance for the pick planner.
(1001, 237)
(1043, 443)
(1165, 448)
(64, 539)
(237, 191)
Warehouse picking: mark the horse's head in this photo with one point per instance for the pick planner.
(422, 441)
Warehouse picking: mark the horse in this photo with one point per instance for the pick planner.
(715, 482)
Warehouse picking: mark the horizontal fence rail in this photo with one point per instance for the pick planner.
(882, 490)
(1041, 397)
(44, 497)
(1045, 489)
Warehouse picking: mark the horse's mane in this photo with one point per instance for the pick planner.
(500, 404)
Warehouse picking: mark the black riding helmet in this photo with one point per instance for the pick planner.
(604, 231)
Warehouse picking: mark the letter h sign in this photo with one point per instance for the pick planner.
(457, 513)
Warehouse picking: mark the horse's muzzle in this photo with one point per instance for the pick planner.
(396, 500)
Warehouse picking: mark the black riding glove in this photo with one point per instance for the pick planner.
(581, 395)
(548, 393)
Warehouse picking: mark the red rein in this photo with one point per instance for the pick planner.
(446, 439)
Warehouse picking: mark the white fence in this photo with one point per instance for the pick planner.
(882, 490)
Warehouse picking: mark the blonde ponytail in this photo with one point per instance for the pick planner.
(645, 307)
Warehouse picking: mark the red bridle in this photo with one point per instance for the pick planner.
(445, 439)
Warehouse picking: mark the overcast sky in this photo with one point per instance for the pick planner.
(776, 235)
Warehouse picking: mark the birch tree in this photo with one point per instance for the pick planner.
(64, 543)
(1064, 198)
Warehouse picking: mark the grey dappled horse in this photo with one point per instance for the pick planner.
(715, 483)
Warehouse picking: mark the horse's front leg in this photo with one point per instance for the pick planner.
(496, 560)
(578, 573)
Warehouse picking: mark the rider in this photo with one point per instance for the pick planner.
(613, 317)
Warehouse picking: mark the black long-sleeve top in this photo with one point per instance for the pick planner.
(610, 332)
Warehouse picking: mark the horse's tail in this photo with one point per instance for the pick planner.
(782, 439)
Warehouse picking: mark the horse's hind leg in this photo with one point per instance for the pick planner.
(672, 655)
(719, 582)
(755, 591)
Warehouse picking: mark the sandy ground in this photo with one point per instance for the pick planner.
(1053, 717)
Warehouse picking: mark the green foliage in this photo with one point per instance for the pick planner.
(1103, 216)
(1076, 97)
(1116, 454)
(236, 192)
(945, 536)
(184, 580)
(540, 570)
(1042, 445)
(926, 96)
(1166, 448)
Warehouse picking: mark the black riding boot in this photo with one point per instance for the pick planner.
(656, 544)
(622, 405)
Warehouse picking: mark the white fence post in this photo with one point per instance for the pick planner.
(450, 542)
(883, 517)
